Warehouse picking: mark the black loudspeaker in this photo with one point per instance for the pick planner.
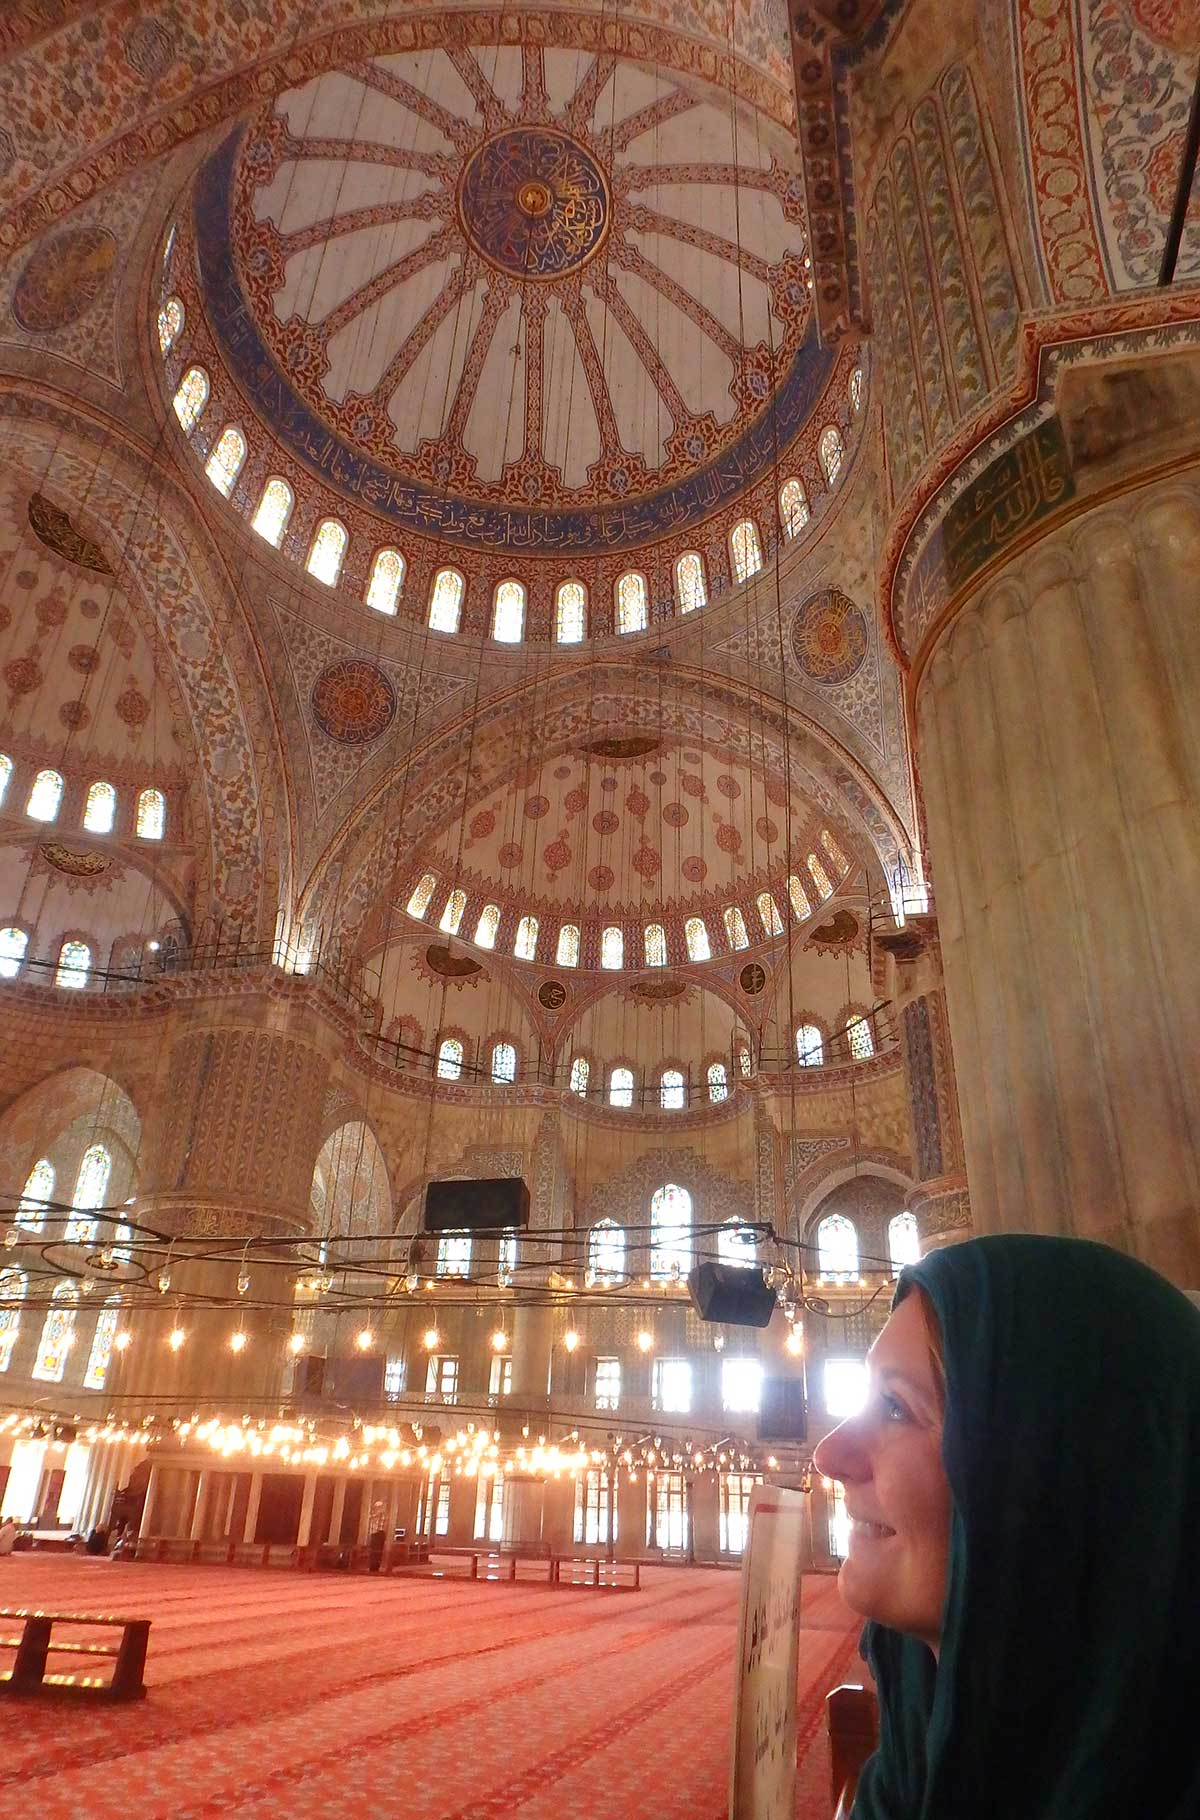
(730, 1292)
(782, 1414)
(310, 1379)
(486, 1206)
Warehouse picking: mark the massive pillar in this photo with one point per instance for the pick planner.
(1059, 749)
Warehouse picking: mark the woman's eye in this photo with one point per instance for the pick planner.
(894, 1411)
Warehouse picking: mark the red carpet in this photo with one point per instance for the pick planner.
(290, 1696)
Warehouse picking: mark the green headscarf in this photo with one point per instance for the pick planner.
(1067, 1685)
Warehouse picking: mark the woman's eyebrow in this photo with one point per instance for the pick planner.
(889, 1375)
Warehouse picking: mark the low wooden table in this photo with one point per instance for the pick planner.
(597, 1573)
(28, 1673)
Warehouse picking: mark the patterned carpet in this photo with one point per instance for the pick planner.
(290, 1696)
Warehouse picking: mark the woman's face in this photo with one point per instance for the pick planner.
(889, 1458)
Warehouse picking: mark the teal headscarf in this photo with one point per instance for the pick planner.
(1067, 1685)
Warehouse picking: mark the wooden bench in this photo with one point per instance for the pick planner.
(853, 1735)
(597, 1572)
(28, 1673)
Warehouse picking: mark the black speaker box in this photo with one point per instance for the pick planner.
(310, 1378)
(782, 1414)
(730, 1292)
(484, 1206)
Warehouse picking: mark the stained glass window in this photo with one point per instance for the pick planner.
(855, 389)
(387, 579)
(670, 1233)
(12, 1292)
(170, 325)
(744, 1062)
(74, 965)
(718, 1082)
(799, 898)
(741, 1385)
(418, 903)
(654, 945)
(450, 1059)
(606, 1385)
(454, 1254)
(100, 810)
(13, 943)
(862, 1040)
(672, 1090)
(445, 601)
(810, 1046)
(328, 551)
(508, 613)
(631, 603)
(620, 1087)
(831, 450)
(904, 1244)
(567, 952)
(191, 397)
(745, 549)
(595, 1508)
(671, 1386)
(793, 507)
(820, 877)
(612, 948)
(525, 946)
(36, 1195)
(735, 927)
(452, 915)
(580, 1069)
(768, 913)
(736, 1245)
(225, 463)
(274, 510)
(834, 851)
(837, 1247)
(102, 1345)
(58, 1334)
(695, 932)
(45, 796)
(151, 814)
(690, 589)
(487, 926)
(504, 1064)
(570, 613)
(6, 771)
(91, 1186)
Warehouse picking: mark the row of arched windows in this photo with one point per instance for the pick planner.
(100, 803)
(859, 1045)
(671, 1089)
(73, 966)
(838, 1256)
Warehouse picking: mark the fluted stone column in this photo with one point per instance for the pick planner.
(1059, 748)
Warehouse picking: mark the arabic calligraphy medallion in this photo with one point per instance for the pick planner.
(534, 202)
(829, 637)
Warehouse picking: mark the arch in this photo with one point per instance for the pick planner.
(423, 891)
(735, 927)
(351, 1195)
(861, 1037)
(508, 612)
(104, 1334)
(13, 943)
(717, 1076)
(57, 1337)
(13, 1286)
(504, 1063)
(854, 389)
(449, 1059)
(672, 1090)
(670, 1233)
(190, 399)
(620, 1086)
(691, 586)
(695, 934)
(445, 601)
(327, 551)
(904, 1241)
(74, 964)
(89, 1194)
(487, 926)
(387, 579)
(566, 953)
(274, 511)
(837, 1247)
(793, 506)
(836, 855)
(831, 452)
(810, 1046)
(745, 550)
(151, 814)
(768, 915)
(36, 1195)
(171, 319)
(632, 602)
(820, 877)
(612, 947)
(654, 945)
(581, 1069)
(798, 898)
(100, 808)
(227, 460)
(570, 613)
(45, 796)
(606, 1253)
(452, 915)
(525, 946)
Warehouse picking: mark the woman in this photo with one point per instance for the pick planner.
(1024, 1493)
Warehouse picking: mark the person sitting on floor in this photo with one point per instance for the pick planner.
(1023, 1488)
(8, 1536)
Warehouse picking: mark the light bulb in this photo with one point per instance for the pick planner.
(237, 1341)
(296, 1343)
(121, 1341)
(108, 1257)
(718, 1342)
(499, 1341)
(432, 1339)
(11, 1238)
(175, 1338)
(243, 1281)
(164, 1281)
(365, 1340)
(570, 1339)
(795, 1342)
(645, 1340)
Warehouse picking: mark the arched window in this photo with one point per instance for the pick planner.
(191, 397)
(612, 948)
(445, 601)
(834, 851)
(525, 946)
(837, 1247)
(570, 613)
(487, 926)
(670, 1233)
(735, 927)
(450, 1059)
(74, 965)
(810, 1046)
(12, 1294)
(745, 1064)
(691, 590)
(58, 1335)
(855, 389)
(170, 325)
(45, 796)
(736, 1245)
(508, 613)
(768, 913)
(904, 1244)
(6, 771)
(799, 899)
(151, 814)
(567, 952)
(506, 1258)
(387, 579)
(831, 451)
(862, 1039)
(328, 551)
(718, 1082)
(793, 507)
(631, 603)
(504, 1064)
(274, 510)
(418, 903)
(225, 463)
(452, 915)
(100, 810)
(606, 1253)
(695, 934)
(100, 1356)
(580, 1070)
(454, 1254)
(91, 1186)
(672, 1090)
(654, 945)
(620, 1087)
(820, 877)
(36, 1195)
(13, 943)
(745, 549)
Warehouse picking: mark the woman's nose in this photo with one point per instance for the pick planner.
(838, 1456)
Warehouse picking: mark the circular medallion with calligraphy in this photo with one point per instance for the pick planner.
(829, 637)
(752, 978)
(552, 995)
(353, 702)
(533, 202)
(63, 278)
